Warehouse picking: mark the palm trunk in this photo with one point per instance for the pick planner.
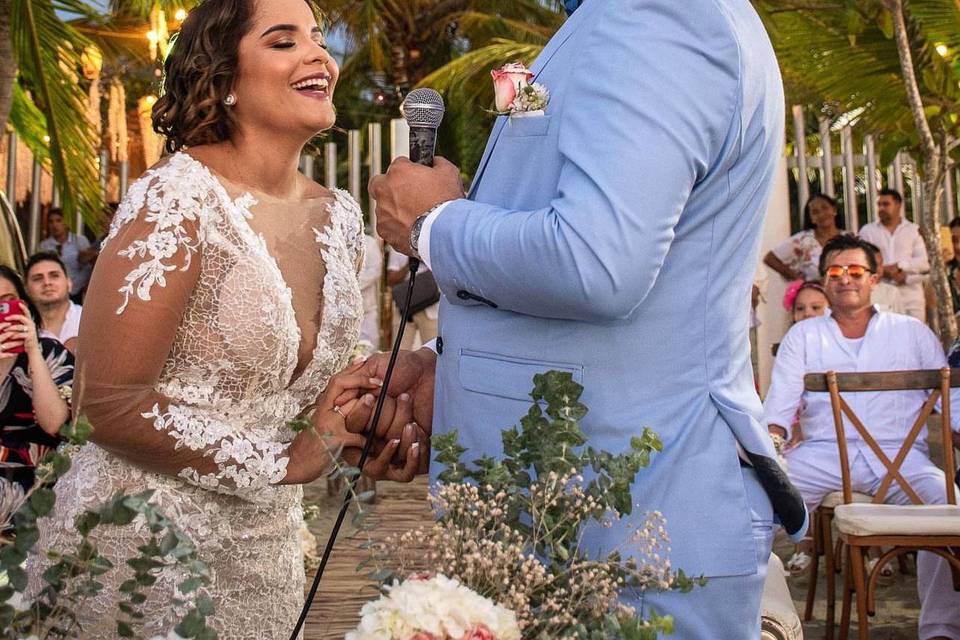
(8, 66)
(933, 178)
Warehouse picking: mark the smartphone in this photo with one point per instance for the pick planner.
(11, 308)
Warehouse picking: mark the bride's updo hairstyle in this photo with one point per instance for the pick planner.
(200, 72)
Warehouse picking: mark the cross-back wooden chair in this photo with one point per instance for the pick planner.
(916, 527)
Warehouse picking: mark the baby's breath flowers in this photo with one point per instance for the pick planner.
(511, 529)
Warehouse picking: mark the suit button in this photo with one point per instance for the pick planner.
(463, 295)
(439, 345)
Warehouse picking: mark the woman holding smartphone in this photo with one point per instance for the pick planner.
(36, 378)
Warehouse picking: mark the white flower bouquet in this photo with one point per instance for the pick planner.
(434, 608)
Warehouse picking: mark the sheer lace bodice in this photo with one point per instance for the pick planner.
(205, 331)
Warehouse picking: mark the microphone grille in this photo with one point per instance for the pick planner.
(423, 108)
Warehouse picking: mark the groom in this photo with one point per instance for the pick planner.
(615, 237)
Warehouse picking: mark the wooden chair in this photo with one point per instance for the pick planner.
(821, 530)
(917, 527)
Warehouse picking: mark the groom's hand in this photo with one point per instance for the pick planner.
(413, 376)
(407, 191)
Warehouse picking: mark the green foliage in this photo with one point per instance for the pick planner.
(48, 75)
(547, 486)
(72, 577)
(552, 441)
(841, 56)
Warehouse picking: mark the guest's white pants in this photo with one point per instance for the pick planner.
(814, 469)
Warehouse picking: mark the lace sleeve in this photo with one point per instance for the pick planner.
(353, 230)
(141, 288)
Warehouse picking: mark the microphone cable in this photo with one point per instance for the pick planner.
(371, 433)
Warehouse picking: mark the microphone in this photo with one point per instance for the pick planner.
(423, 110)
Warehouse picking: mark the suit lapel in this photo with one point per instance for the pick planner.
(548, 52)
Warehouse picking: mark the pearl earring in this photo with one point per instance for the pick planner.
(230, 100)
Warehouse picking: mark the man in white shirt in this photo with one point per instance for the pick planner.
(370, 276)
(855, 336)
(48, 286)
(74, 250)
(905, 262)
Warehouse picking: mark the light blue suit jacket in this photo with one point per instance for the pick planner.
(616, 238)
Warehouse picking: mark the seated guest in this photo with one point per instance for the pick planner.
(855, 336)
(36, 377)
(48, 286)
(73, 249)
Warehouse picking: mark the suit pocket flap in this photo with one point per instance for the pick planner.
(505, 376)
(522, 126)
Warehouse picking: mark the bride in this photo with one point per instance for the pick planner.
(225, 301)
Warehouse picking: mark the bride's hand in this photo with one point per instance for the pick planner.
(312, 450)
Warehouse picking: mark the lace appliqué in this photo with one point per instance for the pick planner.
(168, 205)
(227, 394)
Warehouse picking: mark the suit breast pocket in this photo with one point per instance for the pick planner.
(526, 126)
(505, 376)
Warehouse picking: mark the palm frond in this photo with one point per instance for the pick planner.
(480, 28)
(29, 123)
(46, 72)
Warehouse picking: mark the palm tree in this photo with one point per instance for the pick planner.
(42, 94)
(396, 45)
(894, 62)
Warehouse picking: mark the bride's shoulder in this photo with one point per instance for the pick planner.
(175, 187)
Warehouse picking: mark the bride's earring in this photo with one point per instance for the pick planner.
(230, 100)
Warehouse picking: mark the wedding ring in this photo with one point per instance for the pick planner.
(337, 410)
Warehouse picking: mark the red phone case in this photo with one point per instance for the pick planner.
(7, 309)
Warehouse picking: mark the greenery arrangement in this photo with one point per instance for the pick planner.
(50, 611)
(511, 529)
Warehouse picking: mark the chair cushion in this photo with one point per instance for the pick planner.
(836, 498)
(892, 519)
(779, 619)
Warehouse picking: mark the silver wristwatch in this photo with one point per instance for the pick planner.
(415, 234)
(418, 227)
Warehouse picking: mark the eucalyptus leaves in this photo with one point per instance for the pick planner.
(72, 577)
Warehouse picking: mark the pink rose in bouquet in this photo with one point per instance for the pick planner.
(507, 83)
(479, 633)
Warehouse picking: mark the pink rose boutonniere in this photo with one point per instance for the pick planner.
(515, 94)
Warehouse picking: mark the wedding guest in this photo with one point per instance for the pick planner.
(74, 250)
(48, 287)
(422, 321)
(798, 257)
(905, 261)
(855, 336)
(803, 299)
(36, 378)
(953, 265)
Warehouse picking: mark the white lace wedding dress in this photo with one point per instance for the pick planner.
(205, 331)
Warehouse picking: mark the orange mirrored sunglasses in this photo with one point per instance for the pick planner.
(855, 271)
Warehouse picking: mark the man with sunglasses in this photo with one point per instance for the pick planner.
(856, 336)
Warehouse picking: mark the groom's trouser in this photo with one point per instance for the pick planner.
(727, 608)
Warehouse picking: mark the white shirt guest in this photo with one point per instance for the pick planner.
(905, 260)
(370, 276)
(74, 250)
(856, 336)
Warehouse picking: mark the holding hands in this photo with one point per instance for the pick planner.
(344, 411)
